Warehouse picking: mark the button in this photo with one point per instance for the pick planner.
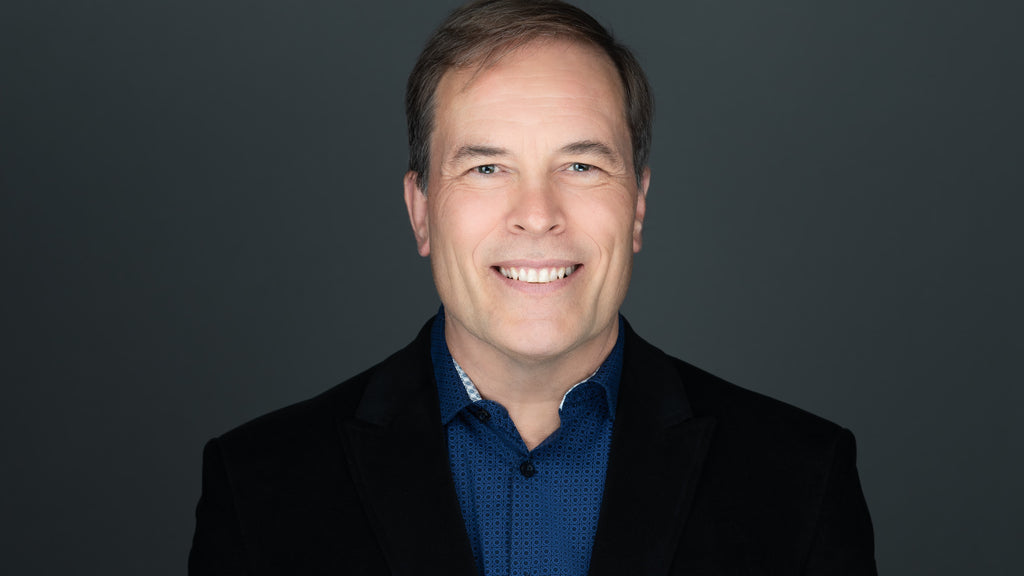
(483, 415)
(527, 469)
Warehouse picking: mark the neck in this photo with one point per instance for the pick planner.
(531, 389)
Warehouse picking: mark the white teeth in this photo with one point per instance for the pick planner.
(537, 275)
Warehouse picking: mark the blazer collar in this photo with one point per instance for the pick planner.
(657, 452)
(398, 455)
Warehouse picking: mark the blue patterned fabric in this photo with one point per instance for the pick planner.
(528, 513)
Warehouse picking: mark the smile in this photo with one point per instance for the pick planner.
(537, 275)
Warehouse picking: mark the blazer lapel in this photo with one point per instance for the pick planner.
(398, 455)
(658, 449)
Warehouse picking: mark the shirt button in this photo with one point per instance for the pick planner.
(527, 469)
(483, 415)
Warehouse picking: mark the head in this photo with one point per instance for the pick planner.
(532, 127)
(480, 33)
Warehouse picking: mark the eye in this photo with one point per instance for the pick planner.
(486, 169)
(579, 167)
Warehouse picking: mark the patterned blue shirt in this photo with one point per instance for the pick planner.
(528, 513)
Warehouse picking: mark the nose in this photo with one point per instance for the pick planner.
(534, 208)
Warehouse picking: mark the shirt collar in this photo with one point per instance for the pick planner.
(456, 391)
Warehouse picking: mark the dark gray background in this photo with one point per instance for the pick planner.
(202, 220)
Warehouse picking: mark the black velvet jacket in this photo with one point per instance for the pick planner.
(703, 478)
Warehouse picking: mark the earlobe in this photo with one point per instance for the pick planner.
(641, 210)
(416, 204)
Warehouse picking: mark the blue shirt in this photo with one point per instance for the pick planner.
(528, 512)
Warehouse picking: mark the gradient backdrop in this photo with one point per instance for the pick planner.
(202, 220)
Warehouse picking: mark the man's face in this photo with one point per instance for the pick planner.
(533, 211)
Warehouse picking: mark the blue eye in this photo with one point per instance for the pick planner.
(486, 169)
(579, 167)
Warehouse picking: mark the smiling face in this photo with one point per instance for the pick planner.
(533, 211)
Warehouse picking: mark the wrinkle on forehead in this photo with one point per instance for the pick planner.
(496, 55)
(471, 71)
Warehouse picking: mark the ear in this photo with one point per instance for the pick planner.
(641, 209)
(416, 204)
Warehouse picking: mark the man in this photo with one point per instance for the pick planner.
(527, 429)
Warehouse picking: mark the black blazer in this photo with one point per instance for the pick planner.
(703, 478)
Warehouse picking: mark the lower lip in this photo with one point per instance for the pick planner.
(539, 288)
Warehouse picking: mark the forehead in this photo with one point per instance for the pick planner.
(533, 53)
(538, 76)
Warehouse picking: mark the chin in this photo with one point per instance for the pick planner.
(539, 340)
(535, 352)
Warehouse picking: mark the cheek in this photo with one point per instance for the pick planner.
(609, 223)
(462, 222)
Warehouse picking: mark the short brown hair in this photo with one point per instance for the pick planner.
(481, 32)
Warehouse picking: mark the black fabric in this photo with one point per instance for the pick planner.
(703, 478)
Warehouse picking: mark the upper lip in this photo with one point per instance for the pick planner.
(536, 264)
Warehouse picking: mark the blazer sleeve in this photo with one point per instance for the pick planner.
(843, 542)
(217, 545)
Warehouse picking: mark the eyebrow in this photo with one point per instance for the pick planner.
(593, 147)
(601, 149)
(476, 151)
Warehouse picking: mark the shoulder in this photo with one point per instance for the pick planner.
(747, 423)
(778, 485)
(277, 486)
(314, 424)
(763, 435)
(771, 469)
(737, 406)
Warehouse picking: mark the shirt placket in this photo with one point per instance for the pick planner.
(526, 538)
